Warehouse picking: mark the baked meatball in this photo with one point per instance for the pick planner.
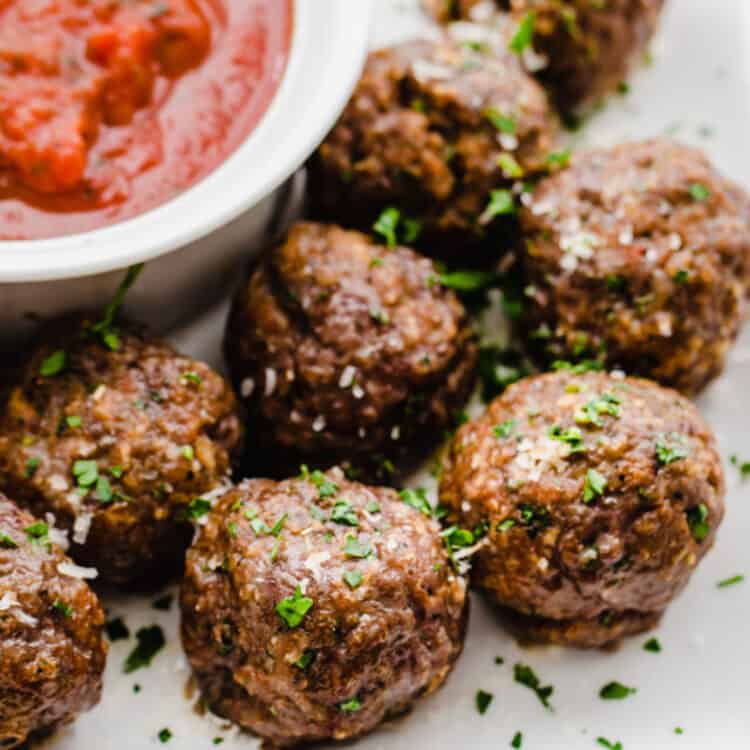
(347, 351)
(638, 255)
(315, 608)
(579, 49)
(115, 435)
(52, 653)
(441, 131)
(600, 495)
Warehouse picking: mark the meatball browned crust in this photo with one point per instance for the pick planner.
(52, 653)
(315, 608)
(583, 49)
(348, 351)
(600, 495)
(434, 128)
(116, 443)
(638, 255)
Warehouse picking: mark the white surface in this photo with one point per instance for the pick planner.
(700, 78)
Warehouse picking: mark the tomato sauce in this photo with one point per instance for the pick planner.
(109, 108)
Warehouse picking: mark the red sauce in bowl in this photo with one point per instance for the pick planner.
(110, 107)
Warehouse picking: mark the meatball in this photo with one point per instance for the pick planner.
(600, 494)
(347, 351)
(315, 608)
(115, 434)
(579, 49)
(638, 255)
(52, 653)
(441, 131)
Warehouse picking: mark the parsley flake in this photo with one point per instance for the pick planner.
(53, 365)
(293, 609)
(616, 691)
(150, 642)
(525, 675)
(483, 701)
(594, 485)
(524, 34)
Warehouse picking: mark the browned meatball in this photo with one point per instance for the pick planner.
(115, 440)
(315, 608)
(638, 255)
(434, 129)
(348, 351)
(600, 495)
(579, 49)
(52, 653)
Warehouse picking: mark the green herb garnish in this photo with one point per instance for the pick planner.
(293, 609)
(150, 642)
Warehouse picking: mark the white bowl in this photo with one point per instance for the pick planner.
(196, 243)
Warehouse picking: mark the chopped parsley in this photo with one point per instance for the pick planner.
(351, 706)
(483, 701)
(7, 541)
(344, 513)
(73, 421)
(38, 534)
(393, 227)
(653, 645)
(352, 578)
(53, 365)
(117, 630)
(592, 412)
(609, 745)
(293, 609)
(505, 430)
(504, 123)
(670, 448)
(594, 485)
(192, 377)
(558, 159)
(197, 508)
(525, 675)
(417, 499)
(105, 328)
(535, 518)
(306, 658)
(354, 548)
(373, 507)
(150, 642)
(86, 473)
(32, 465)
(64, 609)
(734, 580)
(467, 281)
(501, 203)
(571, 436)
(103, 490)
(188, 452)
(165, 735)
(743, 466)
(326, 488)
(517, 741)
(505, 525)
(616, 691)
(697, 519)
(699, 192)
(524, 34)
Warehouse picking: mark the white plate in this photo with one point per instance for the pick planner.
(696, 88)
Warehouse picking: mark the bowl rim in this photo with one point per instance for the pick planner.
(329, 45)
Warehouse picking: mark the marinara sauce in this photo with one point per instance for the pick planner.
(111, 107)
